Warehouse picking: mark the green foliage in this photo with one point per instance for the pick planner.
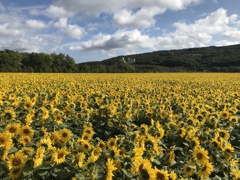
(206, 59)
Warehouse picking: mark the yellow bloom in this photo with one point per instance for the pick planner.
(9, 114)
(59, 155)
(159, 174)
(17, 160)
(200, 155)
(26, 131)
(173, 175)
(110, 168)
(39, 157)
(12, 129)
(112, 142)
(24, 140)
(81, 158)
(205, 170)
(65, 135)
(189, 169)
(15, 173)
(84, 145)
(5, 139)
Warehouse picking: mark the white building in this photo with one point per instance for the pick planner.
(129, 60)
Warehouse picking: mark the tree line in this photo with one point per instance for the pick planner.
(205, 59)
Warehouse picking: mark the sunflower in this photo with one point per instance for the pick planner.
(112, 142)
(16, 160)
(101, 144)
(5, 139)
(26, 131)
(28, 105)
(223, 134)
(12, 96)
(15, 173)
(54, 136)
(39, 157)
(200, 155)
(228, 148)
(59, 155)
(26, 150)
(97, 152)
(24, 140)
(12, 129)
(233, 119)
(85, 145)
(28, 119)
(189, 169)
(86, 136)
(110, 168)
(173, 175)
(215, 142)
(81, 158)
(159, 175)
(65, 135)
(58, 118)
(224, 114)
(205, 170)
(9, 114)
(45, 141)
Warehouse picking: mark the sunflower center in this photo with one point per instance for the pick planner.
(64, 135)
(224, 114)
(28, 105)
(227, 150)
(86, 146)
(188, 169)
(85, 137)
(2, 140)
(60, 155)
(160, 176)
(16, 171)
(12, 130)
(214, 144)
(199, 155)
(26, 140)
(16, 161)
(112, 143)
(141, 167)
(190, 122)
(26, 131)
(204, 168)
(222, 134)
(88, 131)
(8, 116)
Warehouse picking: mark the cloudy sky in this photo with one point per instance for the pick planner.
(90, 30)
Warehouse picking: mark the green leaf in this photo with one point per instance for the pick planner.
(13, 150)
(128, 174)
(27, 170)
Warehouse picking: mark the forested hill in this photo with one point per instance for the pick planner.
(205, 59)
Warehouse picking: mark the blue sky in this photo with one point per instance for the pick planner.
(94, 30)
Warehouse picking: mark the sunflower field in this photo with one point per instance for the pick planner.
(166, 126)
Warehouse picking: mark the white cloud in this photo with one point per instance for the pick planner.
(56, 12)
(123, 12)
(199, 33)
(233, 33)
(143, 18)
(70, 30)
(8, 30)
(35, 24)
(120, 39)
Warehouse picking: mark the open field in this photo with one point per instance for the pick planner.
(120, 126)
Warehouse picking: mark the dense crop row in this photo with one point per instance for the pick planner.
(119, 126)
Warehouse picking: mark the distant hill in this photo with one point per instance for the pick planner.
(204, 59)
